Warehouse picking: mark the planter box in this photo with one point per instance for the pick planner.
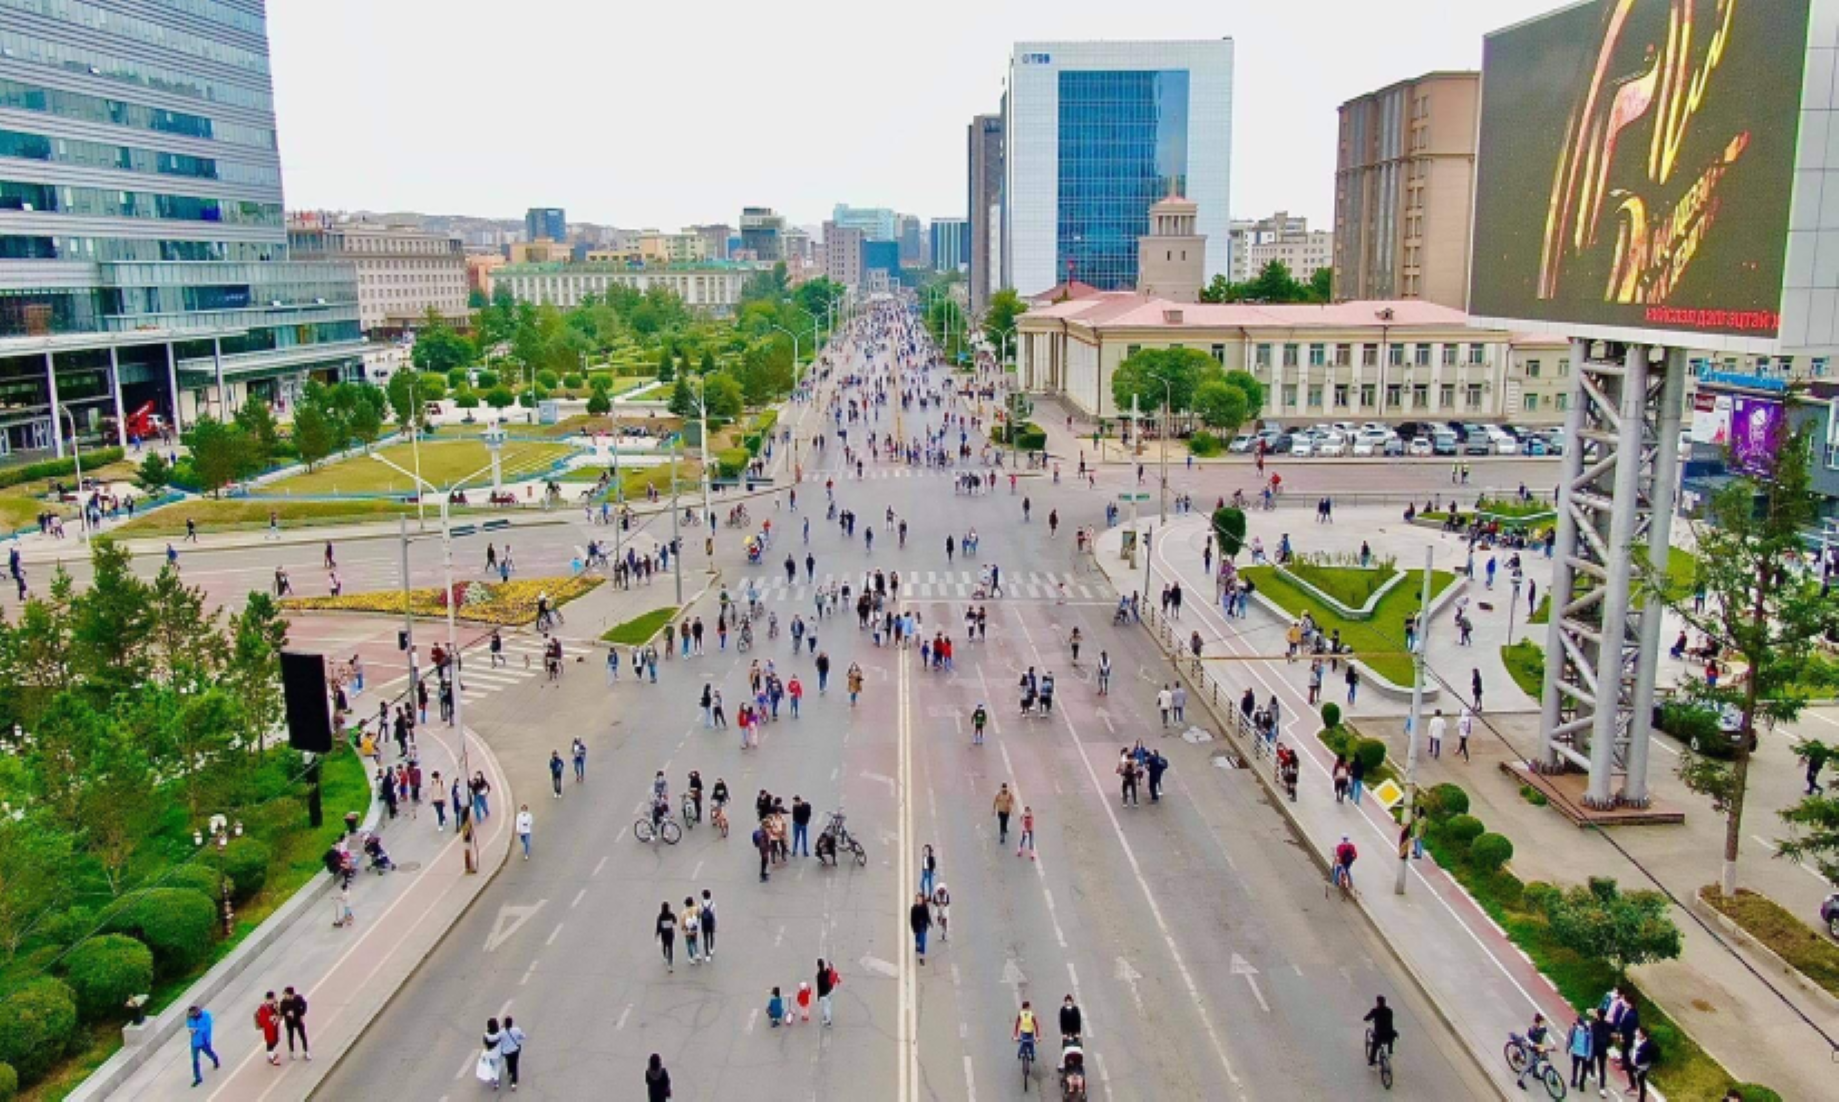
(1364, 612)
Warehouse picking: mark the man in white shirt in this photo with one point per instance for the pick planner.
(524, 821)
(1438, 725)
(1164, 701)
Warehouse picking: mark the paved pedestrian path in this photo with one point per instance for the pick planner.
(347, 974)
(1034, 585)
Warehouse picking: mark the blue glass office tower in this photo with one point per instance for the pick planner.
(550, 222)
(143, 247)
(1097, 132)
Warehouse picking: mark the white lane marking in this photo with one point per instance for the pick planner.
(1129, 976)
(553, 934)
(1773, 846)
(510, 919)
(621, 1023)
(602, 863)
(752, 1017)
(528, 972)
(697, 871)
(578, 898)
(970, 1082)
(1243, 967)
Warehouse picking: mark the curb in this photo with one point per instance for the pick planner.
(710, 578)
(1766, 956)
(139, 1045)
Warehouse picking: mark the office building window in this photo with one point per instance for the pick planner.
(1123, 144)
(1289, 355)
(1420, 396)
(1564, 366)
(1531, 402)
(1393, 395)
(1561, 401)
(1317, 355)
(1289, 395)
(1315, 397)
(1219, 354)
(1475, 354)
(1474, 396)
(1131, 350)
(1532, 369)
(1423, 355)
(1449, 355)
(1446, 396)
(1263, 356)
(1369, 355)
(1340, 395)
(1341, 355)
(1397, 355)
(1367, 392)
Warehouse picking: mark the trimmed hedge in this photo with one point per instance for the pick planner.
(731, 462)
(1446, 800)
(41, 1020)
(57, 468)
(194, 876)
(176, 923)
(246, 862)
(9, 1083)
(105, 971)
(1462, 830)
(1490, 851)
(1331, 715)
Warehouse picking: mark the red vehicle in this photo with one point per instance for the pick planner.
(142, 422)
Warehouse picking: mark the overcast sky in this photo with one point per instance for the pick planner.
(665, 114)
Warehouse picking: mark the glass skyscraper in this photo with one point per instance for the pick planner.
(143, 246)
(1097, 132)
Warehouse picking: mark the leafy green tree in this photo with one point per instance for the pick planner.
(1814, 822)
(220, 453)
(261, 432)
(1005, 306)
(476, 300)
(487, 378)
(155, 472)
(500, 397)
(724, 396)
(1229, 532)
(1601, 922)
(598, 404)
(365, 423)
(1253, 390)
(313, 434)
(667, 367)
(1220, 405)
(34, 859)
(1322, 285)
(440, 350)
(708, 363)
(1219, 290)
(1157, 375)
(406, 397)
(683, 399)
(1758, 612)
(257, 635)
(431, 386)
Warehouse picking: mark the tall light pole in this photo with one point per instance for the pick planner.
(1417, 720)
(453, 632)
(76, 454)
(1168, 403)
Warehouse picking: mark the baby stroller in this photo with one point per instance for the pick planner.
(1072, 1070)
(378, 859)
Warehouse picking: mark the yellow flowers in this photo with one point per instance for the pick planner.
(505, 603)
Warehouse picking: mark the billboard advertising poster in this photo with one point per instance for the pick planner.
(1636, 163)
(1711, 419)
(1757, 428)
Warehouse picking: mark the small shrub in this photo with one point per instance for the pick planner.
(104, 971)
(194, 876)
(1748, 1092)
(9, 1083)
(731, 462)
(176, 923)
(245, 862)
(1204, 444)
(1489, 852)
(572, 381)
(1533, 796)
(1463, 829)
(1448, 800)
(41, 1019)
(1371, 753)
(1539, 896)
(600, 380)
(467, 399)
(546, 379)
(1331, 714)
(68, 927)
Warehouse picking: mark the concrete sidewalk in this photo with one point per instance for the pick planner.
(347, 974)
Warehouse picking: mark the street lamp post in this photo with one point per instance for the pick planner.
(76, 455)
(453, 632)
(1417, 722)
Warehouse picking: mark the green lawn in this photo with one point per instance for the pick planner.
(1793, 940)
(1385, 632)
(250, 514)
(1350, 585)
(1525, 662)
(443, 463)
(1508, 507)
(639, 629)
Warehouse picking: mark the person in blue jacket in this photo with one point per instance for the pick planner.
(198, 1022)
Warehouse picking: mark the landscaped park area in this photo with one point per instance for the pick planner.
(1378, 641)
(443, 463)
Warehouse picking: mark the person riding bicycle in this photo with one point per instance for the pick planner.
(695, 789)
(1345, 856)
(1026, 1030)
(1538, 1044)
(1383, 1032)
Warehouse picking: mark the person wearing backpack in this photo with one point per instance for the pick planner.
(268, 1020)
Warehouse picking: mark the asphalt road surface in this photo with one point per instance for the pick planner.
(1195, 934)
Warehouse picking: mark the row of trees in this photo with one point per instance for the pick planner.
(326, 420)
(1274, 283)
(1191, 383)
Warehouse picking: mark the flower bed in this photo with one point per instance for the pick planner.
(504, 603)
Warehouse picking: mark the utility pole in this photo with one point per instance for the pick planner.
(1417, 721)
(619, 490)
(708, 510)
(1167, 426)
(676, 542)
(408, 621)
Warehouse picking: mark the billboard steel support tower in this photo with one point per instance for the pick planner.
(1616, 496)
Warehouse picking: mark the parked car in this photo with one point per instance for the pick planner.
(1533, 445)
(1242, 443)
(1703, 731)
(1370, 442)
(1302, 445)
(1445, 442)
(1829, 915)
(1504, 442)
(1421, 445)
(1279, 444)
(1411, 429)
(1331, 445)
(1554, 441)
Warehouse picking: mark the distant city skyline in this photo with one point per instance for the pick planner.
(381, 127)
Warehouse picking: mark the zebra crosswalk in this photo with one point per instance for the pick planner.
(939, 584)
(871, 474)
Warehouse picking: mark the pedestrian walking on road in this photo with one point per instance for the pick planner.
(929, 869)
(1464, 725)
(801, 827)
(1356, 778)
(511, 1048)
(1026, 840)
(763, 842)
(1004, 804)
(919, 919)
(481, 792)
(293, 1016)
(1475, 686)
(706, 913)
(1164, 702)
(578, 750)
(198, 1024)
(657, 1080)
(1353, 683)
(667, 935)
(524, 822)
(268, 1021)
(692, 928)
(827, 980)
(489, 1068)
(1340, 773)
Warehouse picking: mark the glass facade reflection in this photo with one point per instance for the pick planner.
(1123, 142)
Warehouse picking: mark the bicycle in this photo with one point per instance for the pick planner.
(1521, 1056)
(667, 829)
(690, 813)
(1384, 1055)
(1342, 877)
(1025, 1053)
(718, 818)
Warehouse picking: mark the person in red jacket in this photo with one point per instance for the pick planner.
(268, 1020)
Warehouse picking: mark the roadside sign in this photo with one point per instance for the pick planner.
(1133, 497)
(1388, 794)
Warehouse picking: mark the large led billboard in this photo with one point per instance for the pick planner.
(1636, 163)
